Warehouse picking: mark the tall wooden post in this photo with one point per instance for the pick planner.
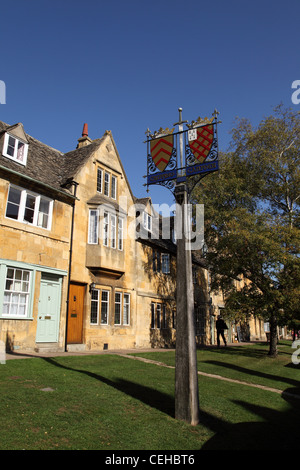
(204, 135)
(186, 374)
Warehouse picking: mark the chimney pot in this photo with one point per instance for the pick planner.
(85, 130)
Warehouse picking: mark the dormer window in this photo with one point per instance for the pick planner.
(15, 149)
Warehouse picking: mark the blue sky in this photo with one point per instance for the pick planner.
(125, 66)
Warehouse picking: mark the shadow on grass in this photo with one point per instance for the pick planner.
(276, 430)
(255, 350)
(150, 396)
(264, 375)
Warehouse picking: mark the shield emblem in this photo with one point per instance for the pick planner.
(201, 146)
(161, 150)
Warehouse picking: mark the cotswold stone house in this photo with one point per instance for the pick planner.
(82, 262)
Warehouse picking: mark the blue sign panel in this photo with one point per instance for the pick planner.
(162, 176)
(202, 168)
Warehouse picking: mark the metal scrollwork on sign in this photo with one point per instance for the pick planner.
(174, 157)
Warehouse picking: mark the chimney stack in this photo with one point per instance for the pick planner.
(84, 139)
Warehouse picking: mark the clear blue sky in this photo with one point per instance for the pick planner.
(125, 66)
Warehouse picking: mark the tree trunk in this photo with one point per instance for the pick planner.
(273, 336)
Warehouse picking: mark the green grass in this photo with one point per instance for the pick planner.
(108, 402)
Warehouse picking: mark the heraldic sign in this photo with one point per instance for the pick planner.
(172, 157)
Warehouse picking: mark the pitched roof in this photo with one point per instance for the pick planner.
(45, 164)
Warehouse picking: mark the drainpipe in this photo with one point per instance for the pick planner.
(70, 261)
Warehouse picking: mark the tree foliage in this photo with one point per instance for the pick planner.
(252, 220)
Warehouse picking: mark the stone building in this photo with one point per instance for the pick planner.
(34, 241)
(83, 265)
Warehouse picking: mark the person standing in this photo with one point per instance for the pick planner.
(221, 326)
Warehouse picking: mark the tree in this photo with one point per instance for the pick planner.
(252, 219)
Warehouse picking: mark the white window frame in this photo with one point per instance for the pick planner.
(112, 231)
(16, 288)
(36, 211)
(14, 157)
(147, 221)
(93, 235)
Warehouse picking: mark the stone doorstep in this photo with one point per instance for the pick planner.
(47, 348)
(76, 347)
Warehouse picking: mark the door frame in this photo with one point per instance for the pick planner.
(84, 286)
(58, 309)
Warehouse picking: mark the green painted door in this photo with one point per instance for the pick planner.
(48, 312)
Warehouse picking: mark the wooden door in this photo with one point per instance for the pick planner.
(75, 315)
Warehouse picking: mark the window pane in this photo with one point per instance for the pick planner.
(120, 234)
(165, 263)
(106, 184)
(99, 180)
(105, 229)
(152, 315)
(43, 213)
(13, 204)
(113, 230)
(113, 187)
(126, 311)
(11, 146)
(29, 208)
(94, 306)
(118, 297)
(14, 195)
(10, 273)
(158, 312)
(12, 211)
(104, 307)
(93, 227)
(20, 151)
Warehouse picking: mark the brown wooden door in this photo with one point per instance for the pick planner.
(75, 315)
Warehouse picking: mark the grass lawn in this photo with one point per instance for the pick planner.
(108, 402)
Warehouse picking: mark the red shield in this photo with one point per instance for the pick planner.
(201, 146)
(161, 151)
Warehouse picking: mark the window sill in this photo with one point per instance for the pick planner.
(2, 317)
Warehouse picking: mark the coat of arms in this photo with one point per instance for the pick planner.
(161, 148)
(202, 144)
